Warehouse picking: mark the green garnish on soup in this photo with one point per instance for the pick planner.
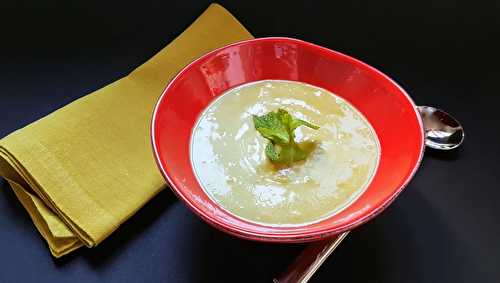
(278, 127)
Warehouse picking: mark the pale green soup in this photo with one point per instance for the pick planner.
(228, 155)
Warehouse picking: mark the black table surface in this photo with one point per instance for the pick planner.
(443, 228)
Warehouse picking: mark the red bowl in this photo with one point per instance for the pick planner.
(384, 103)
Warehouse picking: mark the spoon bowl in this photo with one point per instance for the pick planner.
(442, 131)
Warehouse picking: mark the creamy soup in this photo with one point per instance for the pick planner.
(230, 163)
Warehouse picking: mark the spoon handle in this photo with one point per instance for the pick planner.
(311, 258)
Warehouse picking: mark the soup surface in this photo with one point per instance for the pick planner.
(229, 161)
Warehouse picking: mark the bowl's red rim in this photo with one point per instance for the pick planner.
(303, 236)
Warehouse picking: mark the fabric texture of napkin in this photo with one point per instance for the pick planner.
(83, 170)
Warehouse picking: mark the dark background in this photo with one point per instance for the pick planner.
(443, 228)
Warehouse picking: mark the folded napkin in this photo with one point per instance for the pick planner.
(86, 168)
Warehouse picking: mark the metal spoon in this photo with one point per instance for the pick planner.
(442, 132)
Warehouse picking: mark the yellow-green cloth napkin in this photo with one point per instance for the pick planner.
(86, 168)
